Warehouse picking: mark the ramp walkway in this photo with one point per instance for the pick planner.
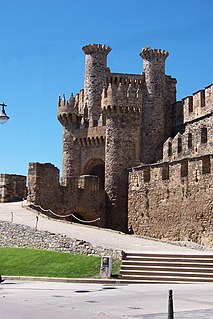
(96, 236)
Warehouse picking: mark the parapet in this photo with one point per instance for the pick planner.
(198, 105)
(122, 97)
(96, 48)
(67, 111)
(195, 141)
(149, 54)
(191, 169)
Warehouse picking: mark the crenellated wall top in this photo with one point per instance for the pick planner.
(94, 48)
(148, 53)
(199, 104)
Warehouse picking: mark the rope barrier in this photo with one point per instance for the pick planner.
(68, 215)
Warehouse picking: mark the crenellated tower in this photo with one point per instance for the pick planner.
(94, 79)
(122, 109)
(69, 118)
(153, 114)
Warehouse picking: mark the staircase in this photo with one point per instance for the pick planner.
(139, 267)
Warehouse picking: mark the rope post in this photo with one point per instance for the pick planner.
(11, 217)
(170, 306)
(36, 225)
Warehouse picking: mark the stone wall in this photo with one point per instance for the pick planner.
(81, 196)
(14, 235)
(12, 187)
(173, 200)
(196, 140)
(198, 105)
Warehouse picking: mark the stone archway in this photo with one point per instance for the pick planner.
(96, 167)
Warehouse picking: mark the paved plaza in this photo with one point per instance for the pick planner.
(47, 300)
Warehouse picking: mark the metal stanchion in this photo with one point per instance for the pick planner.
(170, 306)
(36, 226)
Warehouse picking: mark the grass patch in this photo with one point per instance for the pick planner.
(44, 263)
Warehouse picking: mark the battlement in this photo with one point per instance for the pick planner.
(191, 169)
(122, 98)
(94, 48)
(198, 105)
(67, 111)
(125, 79)
(149, 54)
(196, 140)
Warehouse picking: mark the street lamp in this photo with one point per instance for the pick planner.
(3, 116)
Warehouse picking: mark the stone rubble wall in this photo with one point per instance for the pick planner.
(81, 196)
(15, 235)
(12, 187)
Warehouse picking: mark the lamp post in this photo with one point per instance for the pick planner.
(3, 116)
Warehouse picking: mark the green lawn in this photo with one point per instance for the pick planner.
(43, 263)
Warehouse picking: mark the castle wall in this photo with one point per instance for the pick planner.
(81, 195)
(198, 105)
(196, 140)
(12, 187)
(173, 200)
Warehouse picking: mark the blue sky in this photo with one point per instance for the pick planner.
(41, 58)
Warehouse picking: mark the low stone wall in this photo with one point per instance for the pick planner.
(14, 235)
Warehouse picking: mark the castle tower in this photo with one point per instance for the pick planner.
(95, 71)
(122, 150)
(153, 110)
(69, 119)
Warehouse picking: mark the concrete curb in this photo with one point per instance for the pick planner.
(109, 281)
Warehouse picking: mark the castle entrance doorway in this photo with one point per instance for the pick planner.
(96, 167)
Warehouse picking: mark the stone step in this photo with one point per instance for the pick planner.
(169, 255)
(165, 273)
(169, 268)
(176, 263)
(166, 279)
(171, 258)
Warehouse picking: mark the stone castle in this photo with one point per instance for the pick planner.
(133, 156)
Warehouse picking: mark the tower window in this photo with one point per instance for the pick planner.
(146, 174)
(190, 106)
(206, 165)
(179, 145)
(203, 135)
(165, 172)
(184, 168)
(202, 96)
(189, 140)
(170, 149)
